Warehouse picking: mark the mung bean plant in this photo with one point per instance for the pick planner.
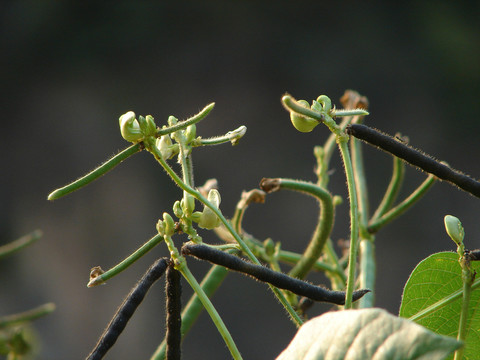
(356, 329)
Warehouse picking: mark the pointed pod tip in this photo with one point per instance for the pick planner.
(54, 195)
(37, 234)
(358, 294)
(209, 107)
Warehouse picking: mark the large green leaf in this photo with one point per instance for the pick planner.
(367, 334)
(435, 279)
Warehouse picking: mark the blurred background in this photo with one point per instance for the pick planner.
(70, 69)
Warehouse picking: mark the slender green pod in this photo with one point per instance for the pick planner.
(95, 174)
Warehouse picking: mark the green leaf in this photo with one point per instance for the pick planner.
(433, 298)
(367, 334)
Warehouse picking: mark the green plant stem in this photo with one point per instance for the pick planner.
(322, 230)
(322, 112)
(367, 273)
(329, 146)
(352, 195)
(150, 244)
(28, 315)
(248, 197)
(377, 223)
(393, 188)
(442, 303)
(19, 244)
(360, 182)
(95, 174)
(467, 278)
(340, 280)
(462, 326)
(368, 269)
(194, 307)
(181, 265)
(197, 195)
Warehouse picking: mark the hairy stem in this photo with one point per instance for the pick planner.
(95, 174)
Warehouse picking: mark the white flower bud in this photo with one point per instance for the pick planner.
(130, 128)
(164, 144)
(209, 220)
(454, 229)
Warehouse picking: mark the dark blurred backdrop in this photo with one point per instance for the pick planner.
(70, 69)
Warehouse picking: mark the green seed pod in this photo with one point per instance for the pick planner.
(303, 123)
(454, 229)
(130, 128)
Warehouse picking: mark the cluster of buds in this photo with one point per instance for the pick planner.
(136, 130)
(322, 106)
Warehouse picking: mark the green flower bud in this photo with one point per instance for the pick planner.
(337, 200)
(454, 229)
(169, 224)
(190, 133)
(209, 220)
(196, 216)
(151, 128)
(130, 128)
(303, 123)
(189, 206)
(177, 209)
(147, 125)
(161, 228)
(142, 122)
(172, 120)
(269, 247)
